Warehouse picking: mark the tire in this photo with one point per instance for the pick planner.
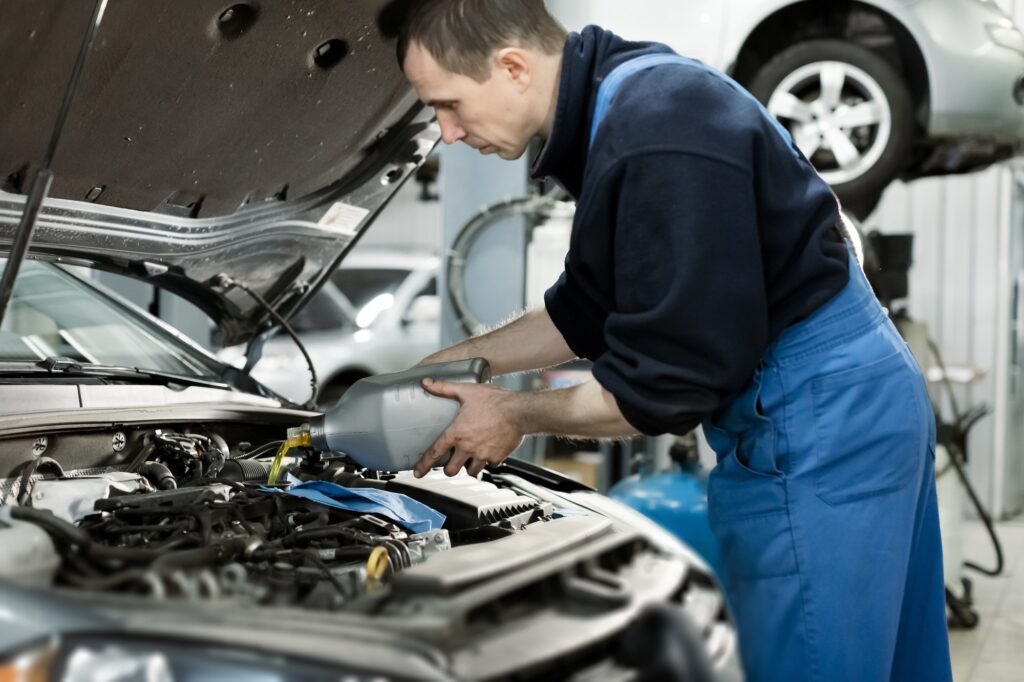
(332, 392)
(859, 159)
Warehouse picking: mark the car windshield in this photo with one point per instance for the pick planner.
(53, 313)
(362, 285)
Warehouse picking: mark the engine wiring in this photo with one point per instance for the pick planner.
(188, 516)
(221, 537)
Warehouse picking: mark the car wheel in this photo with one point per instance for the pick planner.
(332, 392)
(849, 112)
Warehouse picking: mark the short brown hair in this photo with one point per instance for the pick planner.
(463, 34)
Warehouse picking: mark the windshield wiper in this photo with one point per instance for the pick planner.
(69, 367)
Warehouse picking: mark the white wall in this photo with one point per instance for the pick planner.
(406, 223)
(966, 230)
(656, 20)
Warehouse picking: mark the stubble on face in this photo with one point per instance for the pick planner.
(484, 115)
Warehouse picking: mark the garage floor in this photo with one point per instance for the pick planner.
(994, 651)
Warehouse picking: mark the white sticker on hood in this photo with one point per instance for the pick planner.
(344, 218)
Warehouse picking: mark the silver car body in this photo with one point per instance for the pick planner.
(955, 105)
(973, 51)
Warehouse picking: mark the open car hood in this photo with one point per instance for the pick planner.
(255, 140)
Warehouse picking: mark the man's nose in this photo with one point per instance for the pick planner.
(451, 131)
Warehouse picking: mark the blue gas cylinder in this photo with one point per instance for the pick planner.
(677, 501)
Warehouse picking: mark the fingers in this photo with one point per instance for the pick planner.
(442, 389)
(456, 463)
(439, 449)
(476, 466)
(458, 460)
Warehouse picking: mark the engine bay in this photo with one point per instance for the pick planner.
(185, 512)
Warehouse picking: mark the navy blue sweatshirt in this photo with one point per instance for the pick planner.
(700, 233)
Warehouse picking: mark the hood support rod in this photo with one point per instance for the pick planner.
(44, 176)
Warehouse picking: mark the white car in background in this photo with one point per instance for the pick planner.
(871, 90)
(378, 313)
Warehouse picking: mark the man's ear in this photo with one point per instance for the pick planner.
(514, 63)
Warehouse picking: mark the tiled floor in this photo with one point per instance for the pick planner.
(994, 651)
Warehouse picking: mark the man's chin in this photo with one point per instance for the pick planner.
(512, 155)
(505, 154)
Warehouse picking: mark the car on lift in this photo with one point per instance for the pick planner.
(871, 90)
(378, 313)
(233, 156)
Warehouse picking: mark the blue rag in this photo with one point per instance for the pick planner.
(413, 515)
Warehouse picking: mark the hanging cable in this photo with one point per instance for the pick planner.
(958, 458)
(228, 283)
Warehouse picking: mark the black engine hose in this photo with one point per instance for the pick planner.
(66, 535)
(61, 531)
(218, 554)
(241, 470)
(159, 475)
(133, 555)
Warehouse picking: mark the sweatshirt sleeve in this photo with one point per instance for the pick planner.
(691, 319)
(574, 314)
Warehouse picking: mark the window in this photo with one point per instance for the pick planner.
(52, 313)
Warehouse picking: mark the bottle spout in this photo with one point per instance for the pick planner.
(299, 437)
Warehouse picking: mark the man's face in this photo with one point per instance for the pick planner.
(492, 117)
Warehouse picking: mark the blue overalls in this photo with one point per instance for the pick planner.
(823, 501)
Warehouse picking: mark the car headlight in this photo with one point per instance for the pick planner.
(372, 310)
(88, 660)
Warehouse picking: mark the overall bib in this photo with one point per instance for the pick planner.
(823, 501)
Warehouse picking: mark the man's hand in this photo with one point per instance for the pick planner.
(485, 432)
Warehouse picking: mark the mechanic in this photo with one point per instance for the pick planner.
(709, 283)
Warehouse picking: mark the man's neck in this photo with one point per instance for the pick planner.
(555, 76)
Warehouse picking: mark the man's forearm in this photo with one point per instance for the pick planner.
(530, 342)
(584, 411)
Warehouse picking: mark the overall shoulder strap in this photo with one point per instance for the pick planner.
(611, 83)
